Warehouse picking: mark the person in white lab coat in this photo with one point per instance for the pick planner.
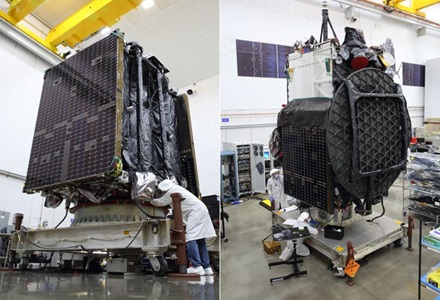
(301, 249)
(198, 225)
(275, 189)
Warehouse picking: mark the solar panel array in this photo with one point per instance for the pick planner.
(76, 135)
(305, 165)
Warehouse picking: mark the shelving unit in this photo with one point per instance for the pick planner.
(250, 162)
(423, 185)
(229, 176)
(244, 168)
(424, 281)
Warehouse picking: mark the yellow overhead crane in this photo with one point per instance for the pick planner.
(414, 7)
(73, 30)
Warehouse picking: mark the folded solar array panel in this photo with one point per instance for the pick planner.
(105, 109)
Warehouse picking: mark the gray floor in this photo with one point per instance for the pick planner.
(16, 285)
(391, 274)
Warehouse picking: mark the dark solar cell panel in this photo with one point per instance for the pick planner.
(75, 135)
(305, 164)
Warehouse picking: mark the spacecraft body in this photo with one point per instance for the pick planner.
(345, 130)
(108, 128)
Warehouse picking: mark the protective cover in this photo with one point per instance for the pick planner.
(149, 120)
(186, 146)
(305, 113)
(275, 144)
(368, 132)
(354, 45)
(306, 174)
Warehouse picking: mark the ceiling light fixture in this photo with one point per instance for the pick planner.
(147, 4)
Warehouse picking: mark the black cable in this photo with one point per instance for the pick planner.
(48, 261)
(67, 211)
(383, 211)
(135, 236)
(136, 198)
(142, 210)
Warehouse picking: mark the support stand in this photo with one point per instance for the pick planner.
(410, 233)
(18, 221)
(420, 261)
(178, 239)
(294, 263)
(292, 234)
(274, 223)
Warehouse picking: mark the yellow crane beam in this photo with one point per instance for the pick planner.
(414, 8)
(421, 4)
(409, 9)
(18, 9)
(28, 32)
(88, 20)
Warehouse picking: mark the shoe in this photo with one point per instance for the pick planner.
(210, 279)
(359, 210)
(197, 270)
(208, 271)
(362, 211)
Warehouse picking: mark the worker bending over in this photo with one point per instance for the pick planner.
(198, 225)
(301, 249)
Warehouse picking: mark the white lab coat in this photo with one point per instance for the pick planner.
(275, 188)
(194, 211)
(301, 249)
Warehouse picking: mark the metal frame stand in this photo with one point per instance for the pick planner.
(294, 263)
(178, 239)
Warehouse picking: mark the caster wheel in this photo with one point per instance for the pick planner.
(225, 240)
(24, 263)
(159, 265)
(398, 243)
(404, 213)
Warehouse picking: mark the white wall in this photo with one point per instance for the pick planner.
(283, 22)
(432, 100)
(31, 206)
(248, 125)
(205, 108)
(21, 80)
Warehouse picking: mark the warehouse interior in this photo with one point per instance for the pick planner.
(271, 104)
(178, 42)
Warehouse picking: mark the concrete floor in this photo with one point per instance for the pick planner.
(16, 285)
(391, 274)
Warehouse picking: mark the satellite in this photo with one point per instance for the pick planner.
(345, 130)
(108, 128)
